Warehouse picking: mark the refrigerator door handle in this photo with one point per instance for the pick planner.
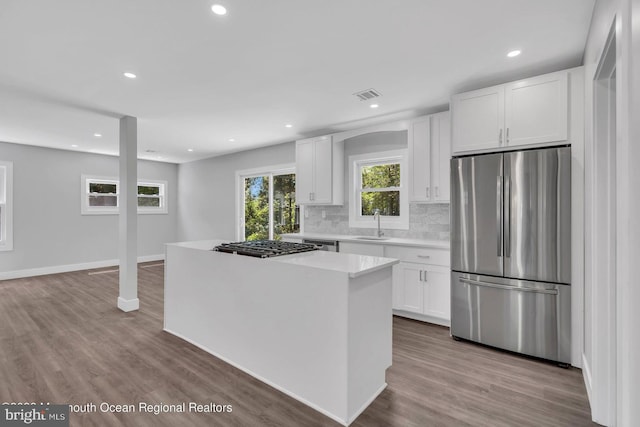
(509, 288)
(507, 215)
(499, 204)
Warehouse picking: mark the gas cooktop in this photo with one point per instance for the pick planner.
(265, 248)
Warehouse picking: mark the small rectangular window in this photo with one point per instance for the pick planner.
(101, 196)
(6, 209)
(151, 197)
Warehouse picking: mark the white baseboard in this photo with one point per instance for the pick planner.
(55, 269)
(586, 375)
(423, 318)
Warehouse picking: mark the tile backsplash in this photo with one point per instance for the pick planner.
(426, 221)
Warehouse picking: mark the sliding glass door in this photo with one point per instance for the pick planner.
(269, 205)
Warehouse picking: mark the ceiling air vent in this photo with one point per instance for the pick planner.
(368, 94)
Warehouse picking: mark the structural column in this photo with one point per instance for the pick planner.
(128, 203)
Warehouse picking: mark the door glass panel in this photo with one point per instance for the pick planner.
(256, 208)
(286, 218)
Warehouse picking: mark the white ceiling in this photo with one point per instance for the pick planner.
(203, 78)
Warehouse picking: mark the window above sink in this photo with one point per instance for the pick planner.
(378, 181)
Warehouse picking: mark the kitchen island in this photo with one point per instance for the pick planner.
(315, 325)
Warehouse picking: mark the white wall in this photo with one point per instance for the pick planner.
(621, 322)
(48, 229)
(207, 190)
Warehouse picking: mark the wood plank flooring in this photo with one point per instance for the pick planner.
(62, 340)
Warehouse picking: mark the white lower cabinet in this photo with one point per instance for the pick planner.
(421, 290)
(408, 289)
(437, 292)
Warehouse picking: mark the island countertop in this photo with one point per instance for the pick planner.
(351, 264)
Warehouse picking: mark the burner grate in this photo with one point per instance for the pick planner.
(265, 248)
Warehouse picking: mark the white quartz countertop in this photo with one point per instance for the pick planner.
(438, 244)
(351, 264)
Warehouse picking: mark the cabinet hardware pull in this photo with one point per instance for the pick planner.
(427, 192)
(437, 192)
(508, 287)
(425, 277)
(421, 275)
(500, 138)
(423, 256)
(507, 136)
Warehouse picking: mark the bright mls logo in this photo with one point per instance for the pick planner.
(34, 415)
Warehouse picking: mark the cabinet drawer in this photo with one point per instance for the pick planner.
(420, 255)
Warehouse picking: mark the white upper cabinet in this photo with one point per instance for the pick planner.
(526, 112)
(478, 119)
(420, 159)
(536, 110)
(319, 171)
(429, 158)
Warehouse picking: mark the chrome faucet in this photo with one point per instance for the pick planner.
(376, 215)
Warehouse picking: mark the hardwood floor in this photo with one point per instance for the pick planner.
(62, 340)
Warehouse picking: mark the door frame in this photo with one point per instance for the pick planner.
(601, 253)
(271, 171)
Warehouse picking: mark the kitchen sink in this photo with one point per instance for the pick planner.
(371, 238)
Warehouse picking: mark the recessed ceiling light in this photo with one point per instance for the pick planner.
(231, 140)
(219, 9)
(513, 53)
(190, 150)
(97, 135)
(74, 145)
(373, 106)
(130, 75)
(288, 126)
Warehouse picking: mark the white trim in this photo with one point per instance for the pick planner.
(391, 156)
(274, 385)
(393, 126)
(422, 317)
(586, 375)
(6, 244)
(55, 269)
(128, 305)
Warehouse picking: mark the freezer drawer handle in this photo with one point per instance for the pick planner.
(499, 214)
(509, 288)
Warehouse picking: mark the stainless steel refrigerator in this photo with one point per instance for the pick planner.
(511, 251)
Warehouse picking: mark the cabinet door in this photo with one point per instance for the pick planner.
(410, 288)
(537, 110)
(304, 171)
(478, 119)
(437, 291)
(420, 159)
(441, 156)
(323, 170)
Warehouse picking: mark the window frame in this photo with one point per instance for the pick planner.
(356, 162)
(269, 171)
(85, 209)
(162, 189)
(6, 207)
